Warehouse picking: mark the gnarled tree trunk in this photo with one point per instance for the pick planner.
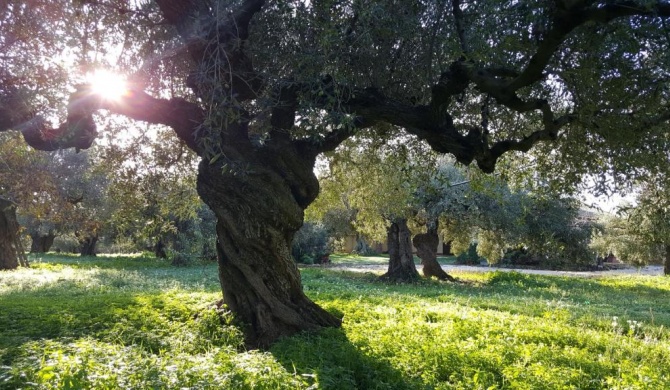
(426, 248)
(401, 260)
(88, 245)
(11, 253)
(41, 243)
(259, 207)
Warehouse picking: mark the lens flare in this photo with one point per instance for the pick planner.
(107, 85)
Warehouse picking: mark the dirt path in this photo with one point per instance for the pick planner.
(380, 268)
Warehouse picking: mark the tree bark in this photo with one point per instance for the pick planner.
(88, 245)
(11, 254)
(426, 248)
(666, 267)
(362, 247)
(259, 207)
(159, 249)
(401, 260)
(41, 243)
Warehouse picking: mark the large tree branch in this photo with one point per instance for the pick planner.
(503, 83)
(243, 15)
(460, 27)
(79, 130)
(188, 17)
(334, 138)
(369, 106)
(572, 16)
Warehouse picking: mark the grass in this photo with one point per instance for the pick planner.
(138, 323)
(376, 260)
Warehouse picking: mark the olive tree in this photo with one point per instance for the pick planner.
(641, 233)
(379, 182)
(259, 89)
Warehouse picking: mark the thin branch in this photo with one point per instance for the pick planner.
(118, 8)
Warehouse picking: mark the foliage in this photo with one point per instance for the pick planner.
(641, 234)
(649, 222)
(32, 180)
(371, 183)
(487, 210)
(311, 244)
(145, 324)
(259, 89)
(154, 192)
(470, 256)
(59, 192)
(406, 180)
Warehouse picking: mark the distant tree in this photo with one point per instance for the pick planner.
(618, 238)
(57, 192)
(487, 210)
(153, 190)
(378, 183)
(651, 218)
(33, 180)
(648, 224)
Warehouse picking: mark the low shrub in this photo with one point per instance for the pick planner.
(469, 257)
(310, 244)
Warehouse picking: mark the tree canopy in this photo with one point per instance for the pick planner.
(259, 89)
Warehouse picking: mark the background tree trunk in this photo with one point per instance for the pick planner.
(9, 256)
(401, 260)
(666, 267)
(362, 247)
(258, 212)
(159, 249)
(88, 245)
(41, 243)
(426, 248)
(446, 249)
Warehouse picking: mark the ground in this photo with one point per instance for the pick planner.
(376, 264)
(138, 322)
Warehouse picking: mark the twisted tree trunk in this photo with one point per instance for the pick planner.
(259, 207)
(426, 248)
(401, 260)
(9, 256)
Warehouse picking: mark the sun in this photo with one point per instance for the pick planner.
(106, 84)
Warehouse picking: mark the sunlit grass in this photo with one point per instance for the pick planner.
(137, 322)
(377, 260)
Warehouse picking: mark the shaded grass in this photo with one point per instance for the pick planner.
(138, 323)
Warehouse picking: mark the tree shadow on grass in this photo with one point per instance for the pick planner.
(331, 361)
(58, 314)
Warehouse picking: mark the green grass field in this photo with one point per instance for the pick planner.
(138, 323)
